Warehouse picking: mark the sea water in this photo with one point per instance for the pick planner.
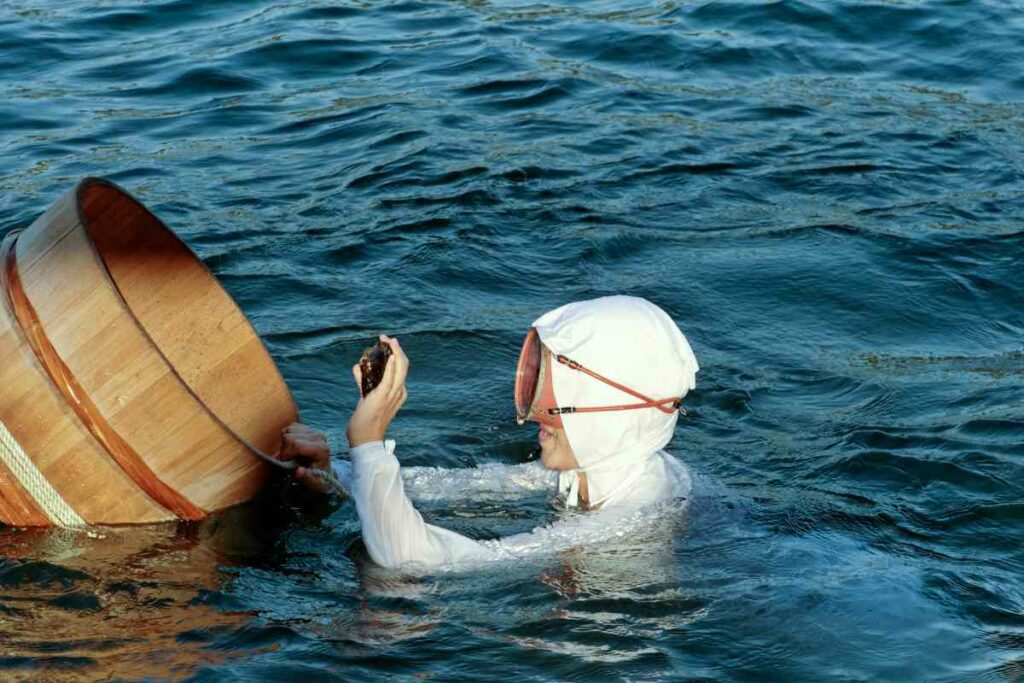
(827, 196)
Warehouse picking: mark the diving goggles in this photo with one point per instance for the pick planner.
(535, 394)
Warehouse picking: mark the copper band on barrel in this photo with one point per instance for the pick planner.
(64, 380)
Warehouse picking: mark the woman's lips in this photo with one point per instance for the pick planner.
(543, 435)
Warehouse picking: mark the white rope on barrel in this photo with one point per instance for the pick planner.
(33, 481)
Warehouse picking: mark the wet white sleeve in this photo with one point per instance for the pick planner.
(393, 530)
(575, 531)
(487, 481)
(396, 535)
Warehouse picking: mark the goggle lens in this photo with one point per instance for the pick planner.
(527, 374)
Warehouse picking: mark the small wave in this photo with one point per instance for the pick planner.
(41, 575)
(884, 468)
(311, 57)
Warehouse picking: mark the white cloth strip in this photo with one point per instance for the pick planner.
(33, 481)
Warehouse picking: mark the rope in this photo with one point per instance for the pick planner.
(327, 478)
(33, 481)
(329, 481)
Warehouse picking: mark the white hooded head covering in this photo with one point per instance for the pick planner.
(635, 343)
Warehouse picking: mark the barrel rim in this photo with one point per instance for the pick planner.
(78, 191)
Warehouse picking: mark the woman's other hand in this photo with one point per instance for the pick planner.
(299, 442)
(377, 409)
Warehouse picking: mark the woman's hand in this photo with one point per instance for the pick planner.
(300, 441)
(377, 409)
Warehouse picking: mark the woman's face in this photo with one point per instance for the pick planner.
(555, 451)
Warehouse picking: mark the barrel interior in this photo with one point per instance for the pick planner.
(194, 323)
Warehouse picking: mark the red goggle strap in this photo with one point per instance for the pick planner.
(665, 405)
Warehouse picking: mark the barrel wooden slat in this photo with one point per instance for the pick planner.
(15, 503)
(213, 360)
(61, 448)
(157, 354)
(154, 411)
(47, 231)
(92, 325)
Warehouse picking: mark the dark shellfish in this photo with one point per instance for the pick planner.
(372, 364)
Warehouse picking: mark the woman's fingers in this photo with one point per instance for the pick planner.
(300, 441)
(297, 447)
(301, 431)
(357, 374)
(387, 382)
(401, 362)
(309, 451)
(398, 364)
(306, 478)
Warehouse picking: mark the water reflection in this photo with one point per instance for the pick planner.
(122, 602)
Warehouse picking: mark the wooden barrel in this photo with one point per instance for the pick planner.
(132, 388)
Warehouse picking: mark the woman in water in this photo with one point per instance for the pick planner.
(604, 379)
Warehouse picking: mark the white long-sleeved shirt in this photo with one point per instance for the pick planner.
(396, 535)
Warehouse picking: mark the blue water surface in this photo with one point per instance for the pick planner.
(827, 196)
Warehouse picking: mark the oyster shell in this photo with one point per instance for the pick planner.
(372, 365)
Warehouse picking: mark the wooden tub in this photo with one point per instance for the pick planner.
(132, 388)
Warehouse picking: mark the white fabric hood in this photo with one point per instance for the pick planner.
(633, 342)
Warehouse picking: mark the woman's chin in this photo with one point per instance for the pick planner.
(545, 457)
(555, 460)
